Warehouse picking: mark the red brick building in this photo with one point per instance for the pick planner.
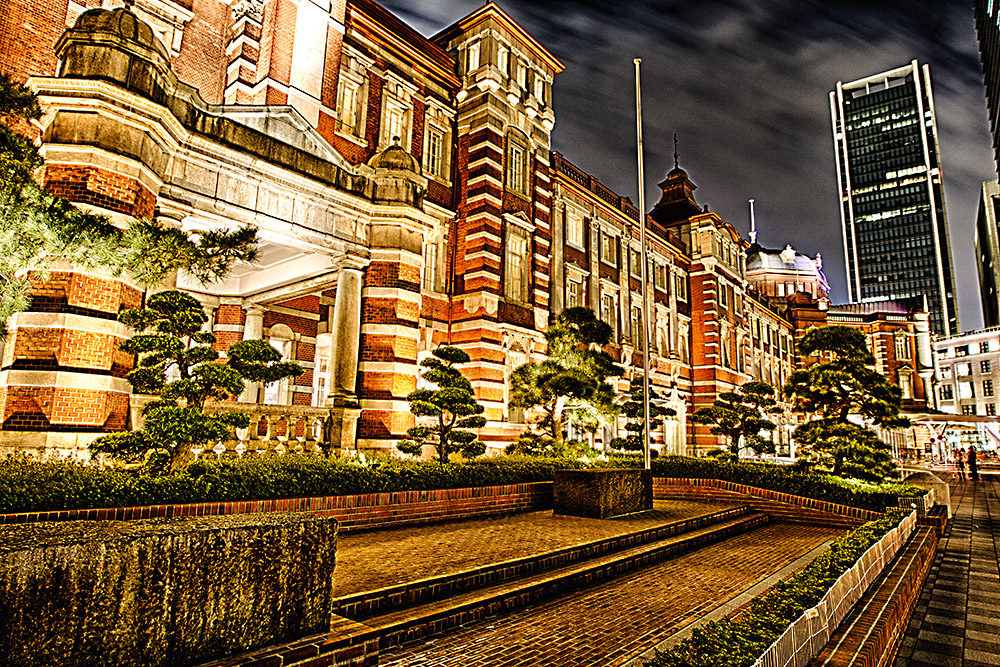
(406, 196)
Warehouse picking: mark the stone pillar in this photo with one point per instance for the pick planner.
(557, 286)
(342, 398)
(625, 285)
(253, 329)
(594, 289)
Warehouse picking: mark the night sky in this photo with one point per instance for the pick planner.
(745, 85)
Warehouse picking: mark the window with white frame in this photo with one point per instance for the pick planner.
(539, 87)
(902, 345)
(352, 99)
(396, 114)
(681, 287)
(636, 263)
(723, 291)
(609, 249)
(516, 263)
(517, 166)
(430, 281)
(281, 339)
(473, 59)
(503, 59)
(574, 291)
(906, 382)
(575, 228)
(434, 151)
(637, 326)
(608, 313)
(321, 371)
(660, 275)
(395, 124)
(522, 75)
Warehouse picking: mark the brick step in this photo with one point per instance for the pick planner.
(365, 604)
(403, 625)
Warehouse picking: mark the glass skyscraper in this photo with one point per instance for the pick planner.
(892, 201)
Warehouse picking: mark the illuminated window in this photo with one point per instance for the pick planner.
(517, 167)
(608, 313)
(902, 345)
(434, 152)
(609, 249)
(574, 292)
(473, 57)
(575, 229)
(430, 266)
(985, 366)
(987, 387)
(516, 263)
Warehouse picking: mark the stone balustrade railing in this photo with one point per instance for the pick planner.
(273, 428)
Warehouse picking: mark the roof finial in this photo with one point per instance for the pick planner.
(676, 154)
(753, 225)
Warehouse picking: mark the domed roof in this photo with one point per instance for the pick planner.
(395, 158)
(675, 172)
(121, 23)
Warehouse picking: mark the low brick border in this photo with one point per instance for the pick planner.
(871, 635)
(403, 508)
(354, 512)
(779, 506)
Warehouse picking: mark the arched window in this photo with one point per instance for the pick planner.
(281, 338)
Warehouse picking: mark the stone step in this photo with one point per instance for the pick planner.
(366, 604)
(406, 624)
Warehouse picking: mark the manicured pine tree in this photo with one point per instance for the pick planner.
(448, 411)
(841, 384)
(633, 411)
(170, 336)
(740, 417)
(572, 384)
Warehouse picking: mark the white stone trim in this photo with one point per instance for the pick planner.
(389, 293)
(387, 367)
(64, 380)
(391, 330)
(68, 321)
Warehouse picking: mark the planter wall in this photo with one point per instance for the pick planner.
(603, 492)
(162, 592)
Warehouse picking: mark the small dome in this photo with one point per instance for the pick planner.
(121, 23)
(676, 172)
(395, 158)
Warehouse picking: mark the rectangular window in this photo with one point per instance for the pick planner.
(574, 293)
(350, 112)
(987, 387)
(968, 409)
(575, 229)
(660, 275)
(430, 266)
(517, 167)
(723, 290)
(608, 313)
(609, 249)
(636, 263)
(396, 126)
(738, 303)
(962, 351)
(966, 390)
(681, 287)
(473, 57)
(516, 264)
(961, 370)
(539, 88)
(522, 75)
(902, 346)
(502, 59)
(434, 152)
(637, 326)
(991, 409)
(984, 365)
(984, 346)
(947, 393)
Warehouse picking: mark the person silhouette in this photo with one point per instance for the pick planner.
(960, 464)
(973, 466)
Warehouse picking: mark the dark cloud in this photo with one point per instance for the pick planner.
(745, 84)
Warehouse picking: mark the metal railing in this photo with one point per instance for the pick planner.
(811, 631)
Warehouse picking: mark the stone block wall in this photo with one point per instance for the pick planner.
(162, 592)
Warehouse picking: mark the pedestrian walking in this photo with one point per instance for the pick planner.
(973, 466)
(960, 464)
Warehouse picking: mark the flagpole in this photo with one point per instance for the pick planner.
(645, 286)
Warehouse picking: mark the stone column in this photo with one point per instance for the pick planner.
(342, 398)
(557, 287)
(595, 267)
(253, 329)
(625, 283)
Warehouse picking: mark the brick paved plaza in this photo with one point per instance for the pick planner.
(957, 620)
(603, 624)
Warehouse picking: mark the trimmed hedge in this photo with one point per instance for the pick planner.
(27, 485)
(785, 479)
(739, 644)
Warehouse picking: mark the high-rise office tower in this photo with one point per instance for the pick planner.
(988, 29)
(892, 200)
(988, 252)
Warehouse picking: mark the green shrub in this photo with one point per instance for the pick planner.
(28, 485)
(739, 644)
(785, 479)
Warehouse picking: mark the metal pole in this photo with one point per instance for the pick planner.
(645, 286)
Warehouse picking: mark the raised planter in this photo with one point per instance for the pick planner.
(602, 493)
(162, 592)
